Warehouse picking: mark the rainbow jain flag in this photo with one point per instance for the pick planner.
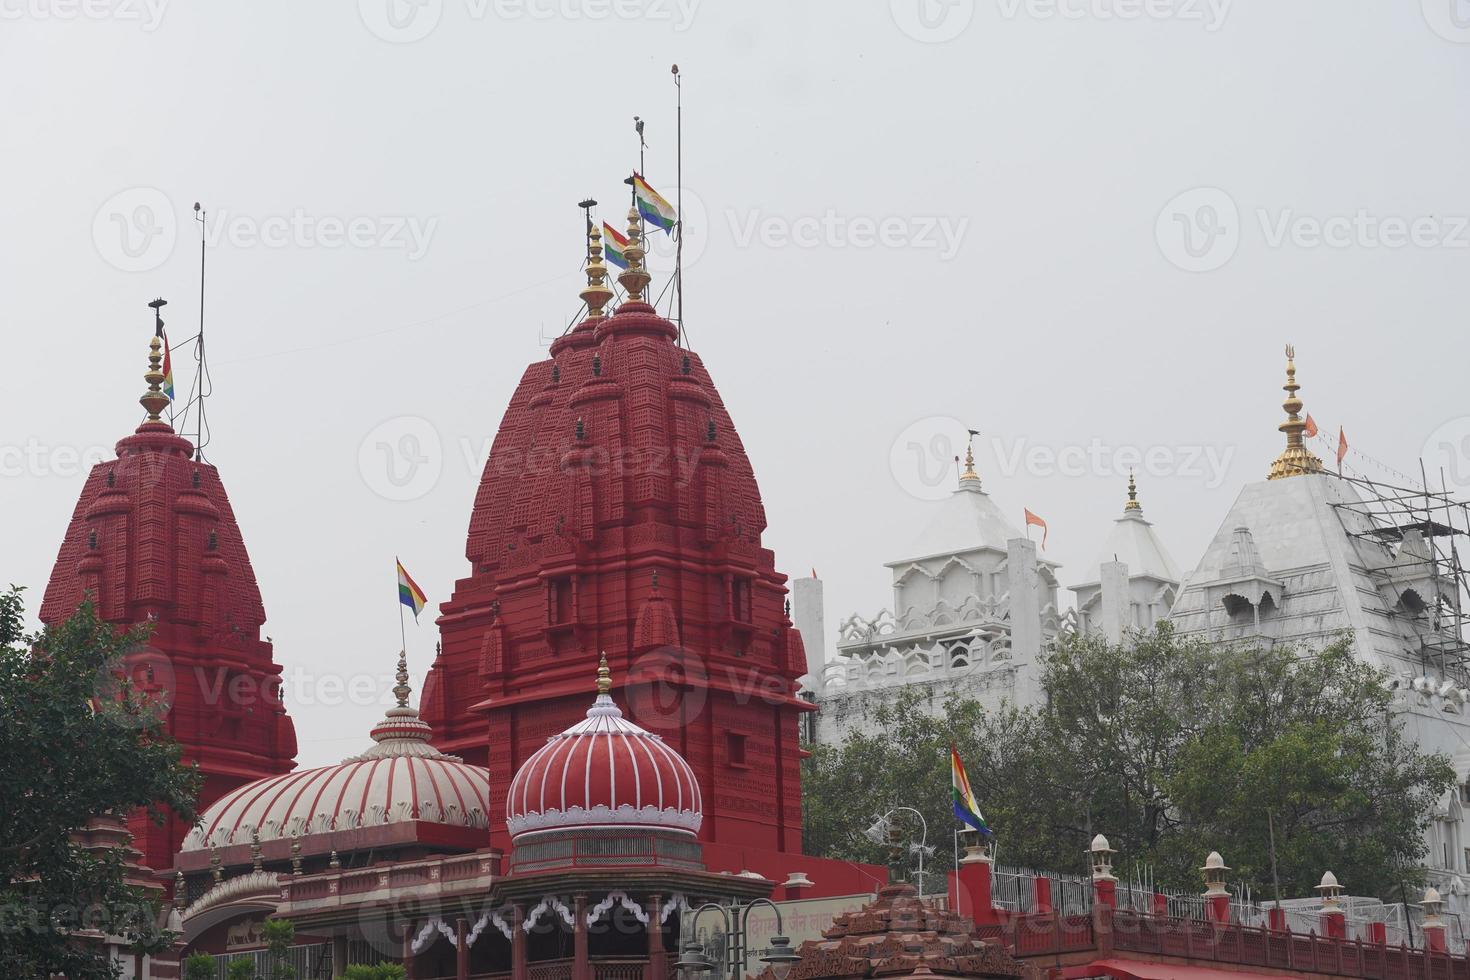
(966, 809)
(613, 245)
(652, 205)
(168, 371)
(409, 592)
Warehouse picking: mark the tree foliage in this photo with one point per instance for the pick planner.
(200, 966)
(1172, 748)
(382, 971)
(79, 740)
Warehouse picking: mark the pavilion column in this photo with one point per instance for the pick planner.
(658, 967)
(581, 965)
(339, 955)
(462, 950)
(518, 967)
(408, 951)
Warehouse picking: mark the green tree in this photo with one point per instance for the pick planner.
(79, 740)
(240, 968)
(382, 971)
(279, 935)
(1170, 747)
(200, 966)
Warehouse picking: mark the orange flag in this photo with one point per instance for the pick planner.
(1038, 522)
(1311, 429)
(1342, 447)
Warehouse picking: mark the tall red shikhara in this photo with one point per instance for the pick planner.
(618, 512)
(153, 540)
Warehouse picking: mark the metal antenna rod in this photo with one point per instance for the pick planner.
(199, 216)
(679, 200)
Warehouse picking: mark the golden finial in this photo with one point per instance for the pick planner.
(634, 279)
(180, 891)
(970, 474)
(1295, 459)
(598, 292)
(604, 676)
(216, 869)
(154, 401)
(1132, 503)
(401, 690)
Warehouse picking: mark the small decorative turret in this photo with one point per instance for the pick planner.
(1132, 503)
(635, 278)
(1102, 859)
(1214, 872)
(1295, 459)
(256, 863)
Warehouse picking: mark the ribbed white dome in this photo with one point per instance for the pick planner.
(400, 779)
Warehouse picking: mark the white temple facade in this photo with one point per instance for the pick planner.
(973, 608)
(1307, 557)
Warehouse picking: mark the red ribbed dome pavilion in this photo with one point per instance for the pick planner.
(604, 773)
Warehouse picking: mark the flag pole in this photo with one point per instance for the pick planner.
(679, 200)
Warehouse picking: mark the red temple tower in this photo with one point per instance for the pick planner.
(153, 540)
(618, 512)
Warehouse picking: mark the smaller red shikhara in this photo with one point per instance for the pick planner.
(153, 540)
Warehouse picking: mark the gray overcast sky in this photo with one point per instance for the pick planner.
(1058, 222)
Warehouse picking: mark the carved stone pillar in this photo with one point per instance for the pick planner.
(518, 968)
(581, 965)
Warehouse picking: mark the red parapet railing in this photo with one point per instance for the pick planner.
(1227, 943)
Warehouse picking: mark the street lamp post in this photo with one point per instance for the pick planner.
(694, 961)
(875, 833)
